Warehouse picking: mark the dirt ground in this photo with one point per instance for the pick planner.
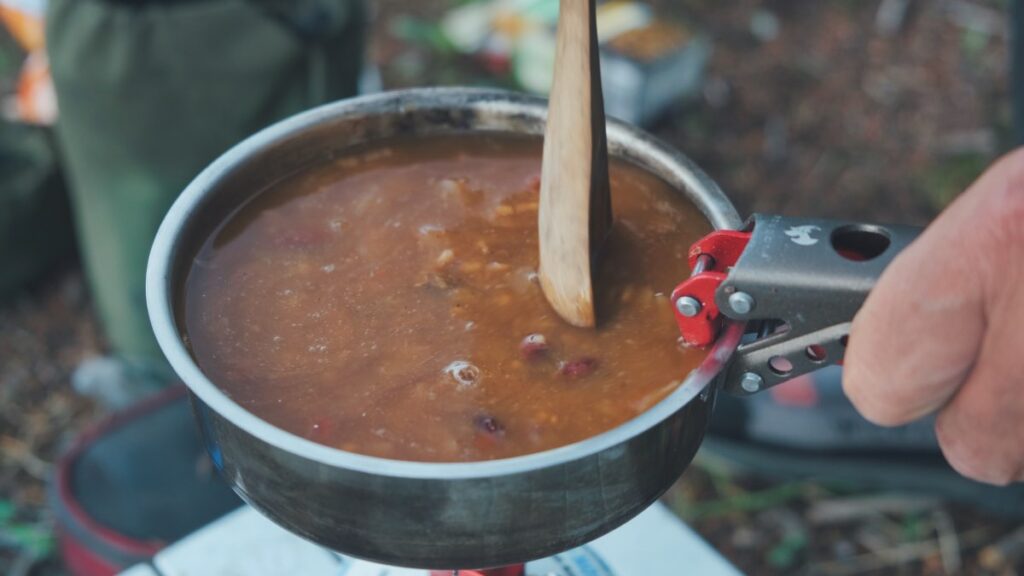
(829, 116)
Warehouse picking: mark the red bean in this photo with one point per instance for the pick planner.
(533, 183)
(579, 367)
(489, 425)
(533, 346)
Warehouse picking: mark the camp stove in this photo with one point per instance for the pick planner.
(654, 543)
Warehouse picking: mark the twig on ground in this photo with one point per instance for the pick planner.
(981, 141)
(872, 561)
(949, 542)
(1005, 552)
(840, 510)
(21, 453)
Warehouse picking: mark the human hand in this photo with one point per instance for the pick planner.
(943, 331)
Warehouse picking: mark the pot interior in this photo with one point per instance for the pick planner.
(320, 146)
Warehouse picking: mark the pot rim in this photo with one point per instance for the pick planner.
(160, 301)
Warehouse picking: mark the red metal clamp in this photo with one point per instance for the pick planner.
(694, 299)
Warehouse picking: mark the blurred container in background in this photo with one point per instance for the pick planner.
(648, 63)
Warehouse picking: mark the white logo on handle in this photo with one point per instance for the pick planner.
(802, 235)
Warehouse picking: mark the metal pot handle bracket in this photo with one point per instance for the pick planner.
(797, 284)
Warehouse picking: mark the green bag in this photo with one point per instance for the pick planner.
(152, 92)
(35, 225)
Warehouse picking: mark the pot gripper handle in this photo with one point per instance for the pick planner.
(797, 284)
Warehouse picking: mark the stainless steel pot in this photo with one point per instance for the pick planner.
(429, 515)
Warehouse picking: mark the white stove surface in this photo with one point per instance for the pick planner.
(244, 543)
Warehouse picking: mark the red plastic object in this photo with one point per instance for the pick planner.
(724, 248)
(80, 560)
(88, 547)
(105, 544)
(516, 570)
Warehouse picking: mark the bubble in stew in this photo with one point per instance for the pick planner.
(387, 303)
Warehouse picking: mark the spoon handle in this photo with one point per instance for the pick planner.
(575, 206)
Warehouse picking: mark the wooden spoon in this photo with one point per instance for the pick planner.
(575, 212)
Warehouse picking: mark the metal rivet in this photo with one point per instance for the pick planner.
(741, 303)
(688, 306)
(751, 382)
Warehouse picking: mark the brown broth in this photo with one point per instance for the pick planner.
(384, 304)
